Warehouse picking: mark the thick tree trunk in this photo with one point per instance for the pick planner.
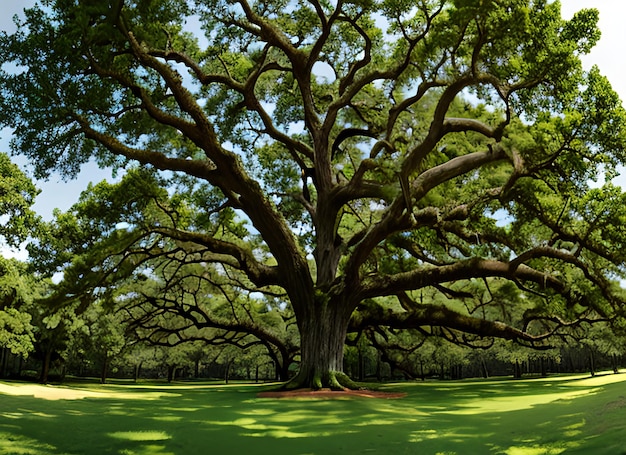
(322, 337)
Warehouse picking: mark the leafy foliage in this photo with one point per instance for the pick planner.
(342, 157)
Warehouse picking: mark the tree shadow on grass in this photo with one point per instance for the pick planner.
(530, 418)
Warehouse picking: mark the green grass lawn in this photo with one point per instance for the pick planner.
(561, 415)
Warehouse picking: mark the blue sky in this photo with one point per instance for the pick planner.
(608, 55)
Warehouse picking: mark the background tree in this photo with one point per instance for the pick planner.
(17, 292)
(18, 286)
(329, 149)
(103, 336)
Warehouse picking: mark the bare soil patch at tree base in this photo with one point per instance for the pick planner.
(328, 394)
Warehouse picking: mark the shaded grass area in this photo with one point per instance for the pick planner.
(570, 415)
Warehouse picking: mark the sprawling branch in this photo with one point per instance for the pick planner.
(261, 275)
(439, 315)
(422, 277)
(394, 220)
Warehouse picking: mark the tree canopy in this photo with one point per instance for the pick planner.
(391, 164)
(17, 288)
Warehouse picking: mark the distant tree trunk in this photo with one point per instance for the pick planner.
(171, 373)
(615, 364)
(544, 371)
(4, 352)
(45, 368)
(422, 375)
(517, 370)
(483, 366)
(137, 370)
(196, 369)
(227, 371)
(592, 363)
(256, 373)
(361, 365)
(104, 370)
(282, 368)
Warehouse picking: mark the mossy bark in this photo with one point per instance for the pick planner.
(323, 334)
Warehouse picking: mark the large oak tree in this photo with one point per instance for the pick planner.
(376, 151)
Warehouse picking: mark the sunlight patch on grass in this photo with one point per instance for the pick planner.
(568, 379)
(259, 412)
(182, 409)
(170, 418)
(599, 380)
(19, 445)
(140, 435)
(574, 430)
(293, 417)
(382, 421)
(516, 403)
(425, 435)
(407, 415)
(262, 429)
(535, 450)
(49, 392)
(36, 413)
(282, 426)
(12, 415)
(288, 434)
(147, 450)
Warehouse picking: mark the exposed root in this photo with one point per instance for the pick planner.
(333, 380)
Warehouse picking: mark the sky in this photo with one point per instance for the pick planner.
(608, 55)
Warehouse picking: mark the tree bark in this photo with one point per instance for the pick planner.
(227, 371)
(323, 334)
(517, 374)
(484, 368)
(4, 352)
(104, 370)
(137, 370)
(361, 365)
(45, 369)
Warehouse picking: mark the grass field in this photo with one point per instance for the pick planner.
(560, 415)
